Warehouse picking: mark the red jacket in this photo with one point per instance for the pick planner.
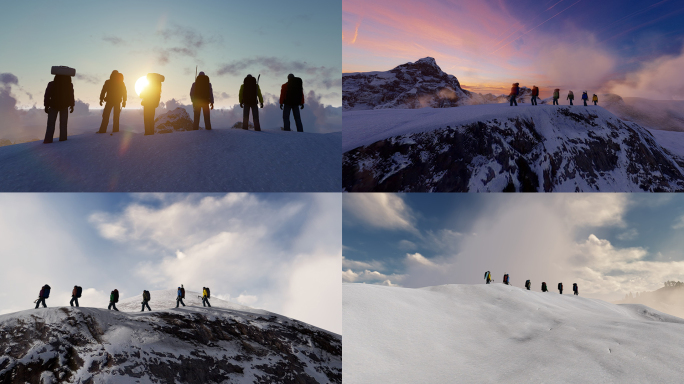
(283, 94)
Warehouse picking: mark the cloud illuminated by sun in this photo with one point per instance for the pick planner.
(140, 84)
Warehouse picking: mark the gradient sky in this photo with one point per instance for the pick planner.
(630, 47)
(226, 39)
(610, 244)
(280, 252)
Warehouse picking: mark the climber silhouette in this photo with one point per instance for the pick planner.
(150, 100)
(59, 96)
(292, 96)
(113, 93)
(249, 92)
(202, 96)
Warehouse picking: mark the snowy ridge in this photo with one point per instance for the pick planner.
(187, 345)
(411, 85)
(219, 160)
(497, 333)
(492, 148)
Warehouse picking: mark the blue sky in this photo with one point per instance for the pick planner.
(227, 39)
(279, 252)
(628, 47)
(610, 244)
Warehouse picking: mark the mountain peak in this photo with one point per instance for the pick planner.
(427, 60)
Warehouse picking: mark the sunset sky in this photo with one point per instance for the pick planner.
(227, 40)
(633, 48)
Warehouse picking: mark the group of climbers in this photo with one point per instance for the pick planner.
(59, 101)
(528, 284)
(515, 92)
(77, 291)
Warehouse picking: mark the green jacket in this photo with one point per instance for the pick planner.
(261, 98)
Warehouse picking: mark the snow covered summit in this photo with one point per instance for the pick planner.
(495, 147)
(497, 333)
(192, 344)
(411, 85)
(220, 160)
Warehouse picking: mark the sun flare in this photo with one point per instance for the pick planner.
(141, 84)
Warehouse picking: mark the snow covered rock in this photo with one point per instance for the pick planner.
(219, 160)
(191, 344)
(411, 85)
(173, 121)
(494, 148)
(502, 334)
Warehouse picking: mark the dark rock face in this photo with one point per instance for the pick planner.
(411, 85)
(514, 155)
(176, 120)
(91, 346)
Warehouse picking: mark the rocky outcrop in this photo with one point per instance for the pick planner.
(173, 121)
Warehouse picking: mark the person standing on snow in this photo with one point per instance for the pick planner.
(505, 279)
(181, 296)
(151, 96)
(488, 277)
(249, 97)
(585, 97)
(75, 295)
(528, 285)
(515, 91)
(205, 297)
(59, 97)
(556, 96)
(202, 97)
(575, 290)
(535, 94)
(595, 99)
(113, 299)
(560, 288)
(571, 97)
(292, 97)
(146, 300)
(114, 94)
(42, 295)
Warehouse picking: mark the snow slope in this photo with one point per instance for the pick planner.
(494, 147)
(497, 333)
(219, 160)
(223, 344)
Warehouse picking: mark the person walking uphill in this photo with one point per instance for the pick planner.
(181, 296)
(113, 299)
(249, 92)
(575, 290)
(151, 96)
(75, 295)
(205, 297)
(292, 97)
(59, 97)
(114, 94)
(202, 97)
(515, 91)
(42, 295)
(595, 99)
(535, 94)
(571, 97)
(585, 97)
(560, 288)
(556, 96)
(146, 299)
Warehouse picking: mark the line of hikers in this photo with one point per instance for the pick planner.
(528, 284)
(59, 100)
(515, 92)
(114, 297)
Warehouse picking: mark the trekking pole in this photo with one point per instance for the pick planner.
(258, 77)
(195, 73)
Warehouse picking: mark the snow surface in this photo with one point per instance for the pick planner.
(497, 333)
(219, 160)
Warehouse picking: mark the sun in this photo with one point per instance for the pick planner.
(141, 84)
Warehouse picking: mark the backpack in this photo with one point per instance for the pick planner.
(556, 93)
(505, 279)
(208, 293)
(585, 96)
(486, 275)
(527, 284)
(46, 291)
(295, 90)
(202, 88)
(182, 291)
(79, 291)
(249, 90)
(146, 295)
(574, 287)
(544, 289)
(115, 296)
(560, 286)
